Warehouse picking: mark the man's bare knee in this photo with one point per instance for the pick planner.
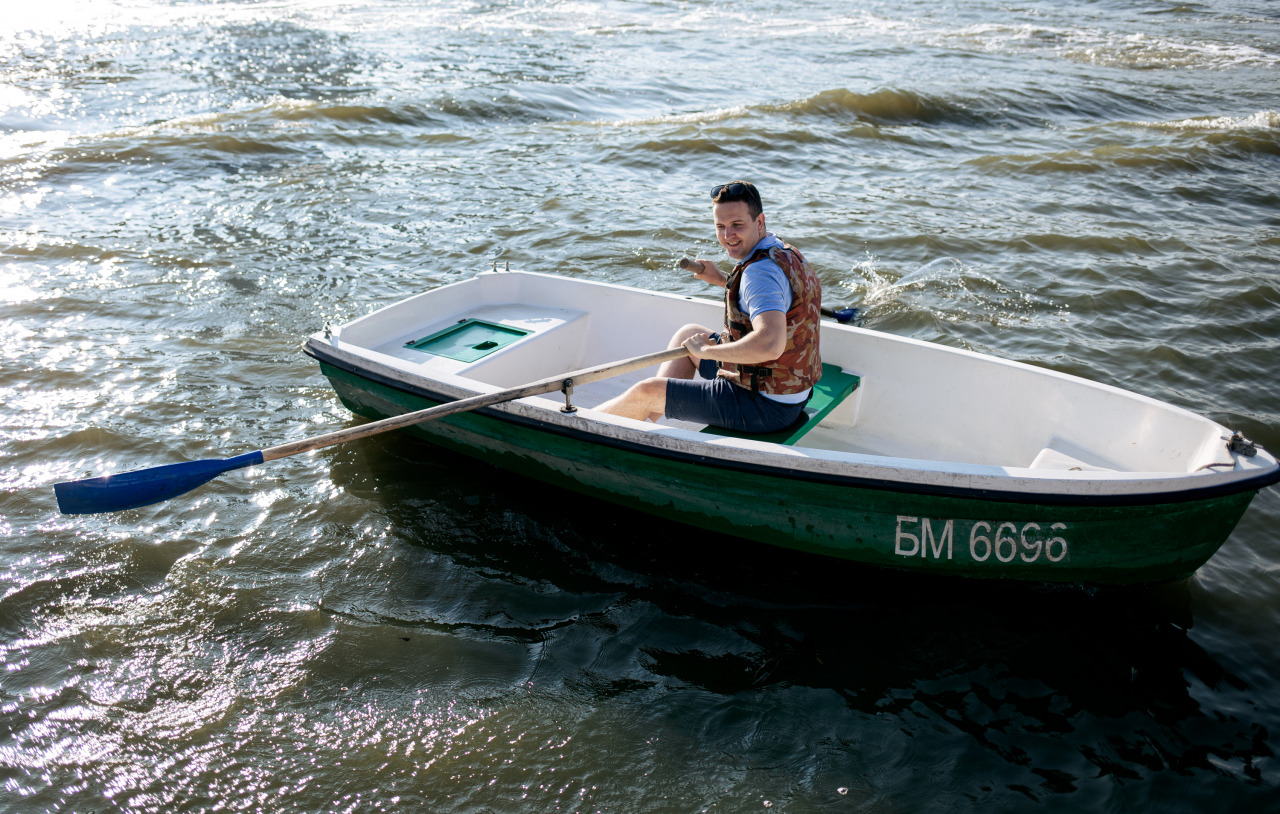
(686, 331)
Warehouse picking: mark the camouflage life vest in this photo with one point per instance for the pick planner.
(800, 365)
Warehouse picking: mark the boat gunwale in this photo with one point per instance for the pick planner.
(1223, 485)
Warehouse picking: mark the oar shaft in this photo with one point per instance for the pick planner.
(577, 377)
(130, 490)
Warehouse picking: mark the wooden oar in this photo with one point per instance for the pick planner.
(842, 315)
(142, 487)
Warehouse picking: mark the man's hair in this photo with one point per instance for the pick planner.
(739, 191)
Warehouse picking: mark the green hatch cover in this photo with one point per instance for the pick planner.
(469, 340)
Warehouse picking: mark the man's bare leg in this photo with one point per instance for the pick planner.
(647, 400)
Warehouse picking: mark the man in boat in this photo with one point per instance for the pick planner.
(758, 371)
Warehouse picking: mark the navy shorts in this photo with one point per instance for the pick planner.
(725, 404)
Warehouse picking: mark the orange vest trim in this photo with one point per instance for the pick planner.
(800, 365)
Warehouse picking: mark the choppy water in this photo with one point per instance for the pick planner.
(189, 188)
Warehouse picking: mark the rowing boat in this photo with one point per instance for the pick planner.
(911, 455)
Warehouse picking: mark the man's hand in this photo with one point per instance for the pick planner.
(698, 344)
(766, 342)
(707, 271)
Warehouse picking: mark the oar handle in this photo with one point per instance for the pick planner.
(577, 377)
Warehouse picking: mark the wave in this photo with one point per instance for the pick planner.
(465, 108)
(886, 106)
(1262, 120)
(1228, 136)
(901, 107)
(353, 113)
(694, 117)
(225, 140)
(283, 126)
(1081, 162)
(1103, 47)
(1145, 52)
(446, 113)
(224, 152)
(1196, 144)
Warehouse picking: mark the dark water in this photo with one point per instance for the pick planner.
(189, 188)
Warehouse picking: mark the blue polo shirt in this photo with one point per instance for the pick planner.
(764, 284)
(764, 287)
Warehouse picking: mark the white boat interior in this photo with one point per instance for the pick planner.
(915, 400)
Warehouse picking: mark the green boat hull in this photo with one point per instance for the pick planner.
(978, 536)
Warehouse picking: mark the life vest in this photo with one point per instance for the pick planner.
(800, 365)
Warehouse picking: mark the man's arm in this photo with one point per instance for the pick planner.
(710, 273)
(766, 342)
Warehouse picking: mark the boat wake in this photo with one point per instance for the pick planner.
(880, 290)
(944, 290)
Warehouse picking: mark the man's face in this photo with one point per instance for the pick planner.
(737, 232)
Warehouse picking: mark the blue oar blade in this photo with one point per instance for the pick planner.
(129, 490)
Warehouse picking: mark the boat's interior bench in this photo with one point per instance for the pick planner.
(833, 388)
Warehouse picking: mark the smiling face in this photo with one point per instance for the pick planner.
(736, 230)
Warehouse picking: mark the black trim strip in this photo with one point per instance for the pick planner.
(1253, 484)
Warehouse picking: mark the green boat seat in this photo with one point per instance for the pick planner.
(833, 388)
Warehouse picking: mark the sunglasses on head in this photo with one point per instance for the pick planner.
(736, 188)
(736, 191)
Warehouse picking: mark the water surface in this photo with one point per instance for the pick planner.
(187, 189)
